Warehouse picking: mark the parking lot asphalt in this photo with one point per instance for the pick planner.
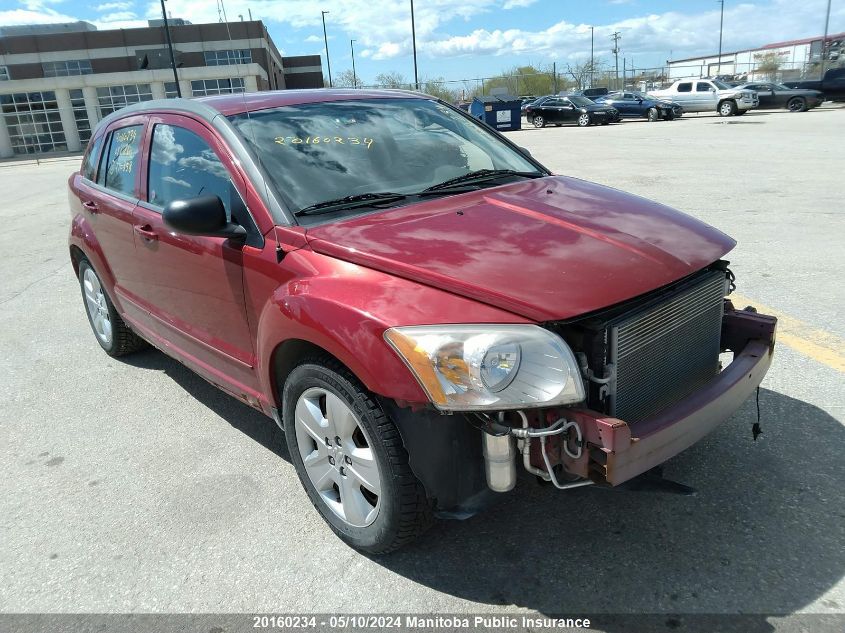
(133, 485)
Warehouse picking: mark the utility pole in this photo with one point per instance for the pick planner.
(624, 72)
(592, 60)
(721, 23)
(414, 44)
(824, 40)
(354, 76)
(326, 39)
(170, 48)
(615, 50)
(554, 76)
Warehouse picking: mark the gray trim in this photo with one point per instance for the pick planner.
(228, 133)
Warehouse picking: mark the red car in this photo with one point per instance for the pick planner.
(414, 299)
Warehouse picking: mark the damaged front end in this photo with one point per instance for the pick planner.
(656, 386)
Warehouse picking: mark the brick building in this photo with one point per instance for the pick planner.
(58, 81)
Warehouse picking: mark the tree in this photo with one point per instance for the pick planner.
(583, 72)
(437, 87)
(391, 80)
(768, 65)
(347, 79)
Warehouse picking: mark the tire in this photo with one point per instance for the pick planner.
(797, 104)
(670, 116)
(741, 112)
(584, 120)
(727, 108)
(378, 511)
(538, 121)
(111, 332)
(652, 115)
(605, 122)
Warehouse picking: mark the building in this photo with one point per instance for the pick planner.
(57, 81)
(794, 59)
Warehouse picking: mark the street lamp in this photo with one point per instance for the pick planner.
(326, 39)
(414, 44)
(721, 22)
(592, 62)
(354, 76)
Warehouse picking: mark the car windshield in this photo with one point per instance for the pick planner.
(580, 101)
(319, 152)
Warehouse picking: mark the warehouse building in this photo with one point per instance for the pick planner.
(57, 81)
(794, 59)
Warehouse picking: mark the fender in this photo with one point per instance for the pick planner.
(346, 314)
(83, 238)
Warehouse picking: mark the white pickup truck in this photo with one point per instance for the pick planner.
(708, 95)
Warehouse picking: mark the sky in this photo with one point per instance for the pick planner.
(464, 39)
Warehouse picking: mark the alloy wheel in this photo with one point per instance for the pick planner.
(338, 457)
(98, 309)
(538, 121)
(584, 120)
(795, 104)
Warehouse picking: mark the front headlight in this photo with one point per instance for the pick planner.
(476, 367)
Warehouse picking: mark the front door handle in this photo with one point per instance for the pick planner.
(146, 232)
(91, 206)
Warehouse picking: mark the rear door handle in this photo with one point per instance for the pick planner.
(146, 232)
(91, 206)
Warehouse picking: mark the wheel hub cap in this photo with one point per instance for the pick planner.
(98, 309)
(338, 456)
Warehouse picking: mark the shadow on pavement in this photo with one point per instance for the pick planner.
(762, 537)
(242, 417)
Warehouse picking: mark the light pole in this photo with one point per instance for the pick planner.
(326, 39)
(824, 39)
(354, 76)
(615, 37)
(592, 62)
(721, 23)
(170, 48)
(414, 44)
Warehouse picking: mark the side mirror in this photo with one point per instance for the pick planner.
(204, 215)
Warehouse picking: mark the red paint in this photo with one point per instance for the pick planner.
(536, 250)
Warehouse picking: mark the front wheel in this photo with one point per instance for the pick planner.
(584, 120)
(652, 115)
(538, 121)
(796, 104)
(350, 459)
(727, 108)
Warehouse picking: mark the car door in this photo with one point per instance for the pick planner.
(768, 98)
(706, 97)
(631, 104)
(549, 110)
(109, 196)
(566, 111)
(192, 285)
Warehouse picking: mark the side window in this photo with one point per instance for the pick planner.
(685, 87)
(183, 166)
(122, 159)
(702, 87)
(92, 156)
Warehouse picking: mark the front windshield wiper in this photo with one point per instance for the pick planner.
(351, 202)
(482, 174)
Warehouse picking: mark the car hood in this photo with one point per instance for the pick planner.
(547, 249)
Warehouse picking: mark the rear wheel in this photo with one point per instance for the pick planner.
(797, 104)
(538, 121)
(584, 120)
(113, 335)
(351, 460)
(727, 108)
(652, 114)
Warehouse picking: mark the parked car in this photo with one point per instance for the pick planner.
(708, 95)
(412, 318)
(560, 109)
(636, 105)
(774, 96)
(832, 85)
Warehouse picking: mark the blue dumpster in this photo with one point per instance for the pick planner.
(501, 112)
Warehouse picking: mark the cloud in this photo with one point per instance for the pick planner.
(119, 16)
(517, 4)
(26, 16)
(113, 6)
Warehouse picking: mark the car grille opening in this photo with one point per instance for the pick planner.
(667, 350)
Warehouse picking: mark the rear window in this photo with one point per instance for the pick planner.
(685, 87)
(121, 164)
(92, 156)
(703, 87)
